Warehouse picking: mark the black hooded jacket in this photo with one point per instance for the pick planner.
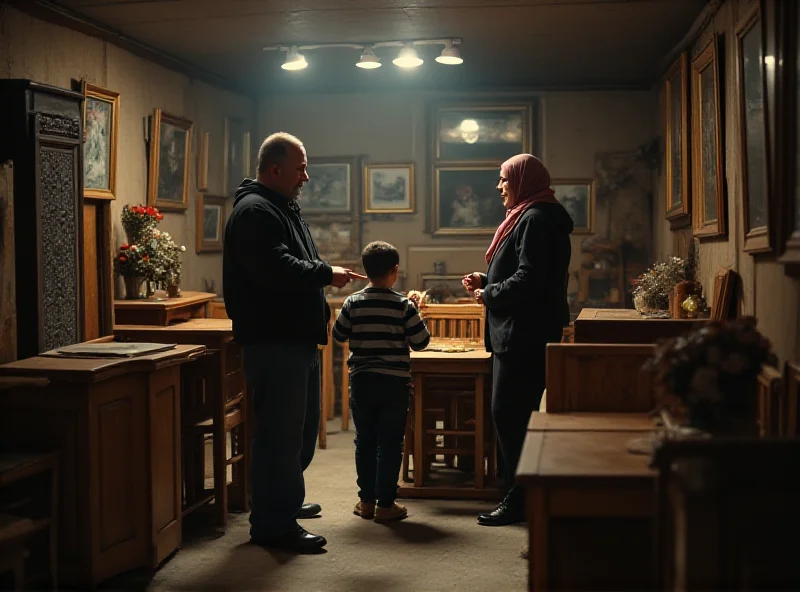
(272, 277)
(525, 287)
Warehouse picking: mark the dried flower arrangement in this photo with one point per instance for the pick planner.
(653, 286)
(710, 375)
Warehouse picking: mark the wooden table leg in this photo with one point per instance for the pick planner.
(479, 408)
(419, 433)
(219, 451)
(538, 549)
(323, 411)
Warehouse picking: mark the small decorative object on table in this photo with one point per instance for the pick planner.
(651, 294)
(710, 376)
(133, 264)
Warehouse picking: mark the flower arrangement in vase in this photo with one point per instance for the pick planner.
(139, 222)
(709, 377)
(150, 255)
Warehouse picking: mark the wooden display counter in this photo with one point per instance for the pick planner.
(116, 424)
(626, 325)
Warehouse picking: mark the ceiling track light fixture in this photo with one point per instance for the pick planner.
(407, 58)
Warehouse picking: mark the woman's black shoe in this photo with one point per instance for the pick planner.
(503, 515)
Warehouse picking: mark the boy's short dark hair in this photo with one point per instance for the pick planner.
(379, 258)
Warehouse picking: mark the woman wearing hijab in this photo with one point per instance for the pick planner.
(524, 291)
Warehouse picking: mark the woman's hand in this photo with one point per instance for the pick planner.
(478, 296)
(471, 281)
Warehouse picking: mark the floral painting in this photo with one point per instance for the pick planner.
(101, 124)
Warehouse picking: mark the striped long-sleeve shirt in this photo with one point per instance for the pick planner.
(381, 325)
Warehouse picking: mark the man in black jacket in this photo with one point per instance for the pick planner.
(273, 282)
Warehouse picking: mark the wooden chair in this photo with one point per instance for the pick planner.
(455, 321)
(599, 377)
(204, 414)
(727, 514)
(792, 408)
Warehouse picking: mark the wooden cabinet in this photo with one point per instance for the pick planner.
(602, 325)
(42, 135)
(116, 424)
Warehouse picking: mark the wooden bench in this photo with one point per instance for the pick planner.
(455, 321)
(599, 377)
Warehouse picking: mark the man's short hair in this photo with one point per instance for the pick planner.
(275, 148)
(379, 258)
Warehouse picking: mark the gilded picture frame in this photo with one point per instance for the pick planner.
(578, 198)
(708, 195)
(202, 162)
(465, 200)
(101, 137)
(388, 188)
(753, 146)
(210, 211)
(676, 100)
(170, 161)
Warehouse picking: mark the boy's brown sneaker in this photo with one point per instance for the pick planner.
(364, 509)
(396, 512)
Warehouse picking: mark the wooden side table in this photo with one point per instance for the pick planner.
(472, 365)
(162, 311)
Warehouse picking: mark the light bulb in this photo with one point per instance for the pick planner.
(408, 58)
(449, 56)
(369, 60)
(294, 60)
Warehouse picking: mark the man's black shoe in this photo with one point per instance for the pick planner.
(309, 511)
(502, 515)
(295, 540)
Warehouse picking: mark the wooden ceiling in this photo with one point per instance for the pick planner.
(506, 43)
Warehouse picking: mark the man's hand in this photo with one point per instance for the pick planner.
(471, 281)
(341, 276)
(478, 296)
(414, 297)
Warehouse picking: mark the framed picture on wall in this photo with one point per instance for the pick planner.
(676, 89)
(708, 197)
(170, 147)
(578, 198)
(753, 134)
(466, 200)
(332, 186)
(337, 240)
(783, 27)
(209, 223)
(470, 132)
(389, 188)
(202, 162)
(236, 151)
(101, 133)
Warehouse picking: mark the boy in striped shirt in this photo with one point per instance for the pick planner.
(381, 325)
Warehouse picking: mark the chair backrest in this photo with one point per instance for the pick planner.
(728, 515)
(599, 377)
(455, 321)
(771, 402)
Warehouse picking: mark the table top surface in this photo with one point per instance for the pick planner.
(582, 454)
(477, 354)
(601, 422)
(623, 315)
(187, 326)
(55, 367)
(185, 299)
